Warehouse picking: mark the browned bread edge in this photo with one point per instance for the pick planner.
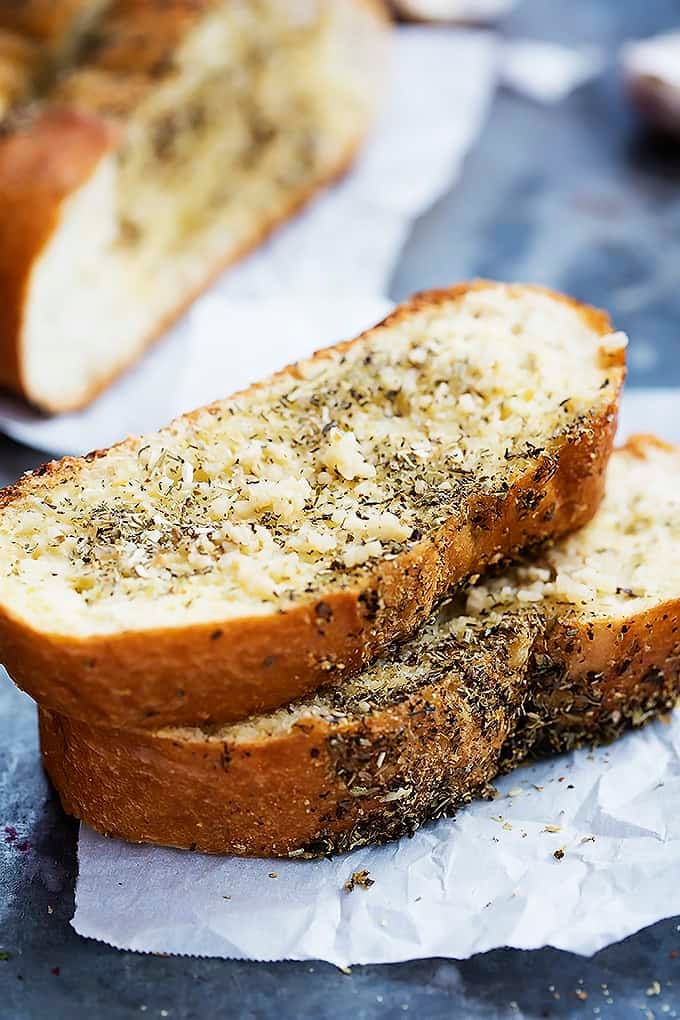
(41, 165)
(292, 794)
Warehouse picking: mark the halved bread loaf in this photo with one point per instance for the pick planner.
(570, 649)
(274, 541)
(167, 141)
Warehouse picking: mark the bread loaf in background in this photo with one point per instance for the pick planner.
(476, 12)
(162, 140)
(36, 38)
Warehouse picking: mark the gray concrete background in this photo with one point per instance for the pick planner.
(575, 196)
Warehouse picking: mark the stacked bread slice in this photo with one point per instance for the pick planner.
(147, 144)
(263, 630)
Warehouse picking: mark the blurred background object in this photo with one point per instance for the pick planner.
(509, 153)
(652, 74)
(37, 37)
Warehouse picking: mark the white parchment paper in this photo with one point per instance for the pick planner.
(547, 72)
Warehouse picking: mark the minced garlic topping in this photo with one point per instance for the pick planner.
(287, 490)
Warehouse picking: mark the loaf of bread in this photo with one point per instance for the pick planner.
(272, 542)
(570, 648)
(163, 139)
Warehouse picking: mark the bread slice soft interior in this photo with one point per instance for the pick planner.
(535, 665)
(257, 547)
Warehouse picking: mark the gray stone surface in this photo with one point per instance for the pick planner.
(575, 196)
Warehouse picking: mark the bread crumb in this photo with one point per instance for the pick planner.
(359, 879)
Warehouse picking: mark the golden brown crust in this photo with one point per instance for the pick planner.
(19, 59)
(442, 745)
(639, 443)
(37, 38)
(595, 676)
(224, 671)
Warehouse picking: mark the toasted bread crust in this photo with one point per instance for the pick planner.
(593, 680)
(291, 795)
(324, 785)
(225, 671)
